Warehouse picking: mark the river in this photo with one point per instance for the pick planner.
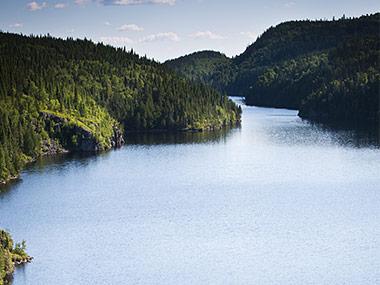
(277, 201)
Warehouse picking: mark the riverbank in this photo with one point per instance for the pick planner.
(4, 182)
(52, 147)
(177, 204)
(11, 255)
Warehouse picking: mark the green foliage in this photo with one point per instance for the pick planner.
(350, 90)
(329, 70)
(202, 66)
(76, 92)
(9, 254)
(19, 251)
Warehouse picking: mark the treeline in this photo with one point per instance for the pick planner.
(329, 70)
(75, 94)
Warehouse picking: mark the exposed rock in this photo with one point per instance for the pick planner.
(117, 139)
(6, 181)
(50, 147)
(23, 261)
(71, 136)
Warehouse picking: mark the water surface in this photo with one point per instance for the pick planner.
(277, 201)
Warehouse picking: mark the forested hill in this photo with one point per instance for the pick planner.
(201, 66)
(329, 70)
(76, 95)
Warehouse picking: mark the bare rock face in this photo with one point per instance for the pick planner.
(87, 142)
(67, 136)
(70, 136)
(51, 147)
(117, 139)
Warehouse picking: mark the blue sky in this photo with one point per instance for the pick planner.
(164, 29)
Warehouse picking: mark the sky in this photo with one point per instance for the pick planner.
(165, 29)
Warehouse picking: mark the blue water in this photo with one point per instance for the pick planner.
(277, 201)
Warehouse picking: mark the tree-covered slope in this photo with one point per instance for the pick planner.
(288, 62)
(203, 66)
(338, 86)
(327, 69)
(350, 90)
(76, 95)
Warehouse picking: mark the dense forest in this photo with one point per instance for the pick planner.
(75, 95)
(202, 66)
(10, 254)
(329, 70)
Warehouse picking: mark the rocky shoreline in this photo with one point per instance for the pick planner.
(23, 261)
(10, 179)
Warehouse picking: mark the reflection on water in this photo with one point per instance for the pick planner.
(52, 164)
(167, 138)
(285, 127)
(279, 201)
(359, 136)
(297, 131)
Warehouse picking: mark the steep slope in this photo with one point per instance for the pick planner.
(76, 95)
(327, 69)
(297, 48)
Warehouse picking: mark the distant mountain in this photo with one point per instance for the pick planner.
(76, 95)
(201, 66)
(329, 70)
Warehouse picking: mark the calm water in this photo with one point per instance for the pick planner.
(278, 201)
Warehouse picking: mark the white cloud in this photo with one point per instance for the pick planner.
(16, 25)
(34, 6)
(60, 5)
(250, 35)
(207, 35)
(116, 40)
(81, 2)
(161, 36)
(107, 23)
(130, 27)
(137, 2)
(290, 4)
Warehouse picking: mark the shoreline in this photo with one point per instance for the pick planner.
(7, 182)
(186, 130)
(23, 261)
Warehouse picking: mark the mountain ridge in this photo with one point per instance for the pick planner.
(295, 65)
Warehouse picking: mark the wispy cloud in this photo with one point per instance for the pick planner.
(289, 4)
(116, 40)
(60, 5)
(207, 35)
(107, 23)
(137, 2)
(16, 25)
(161, 36)
(130, 27)
(250, 35)
(81, 2)
(34, 6)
